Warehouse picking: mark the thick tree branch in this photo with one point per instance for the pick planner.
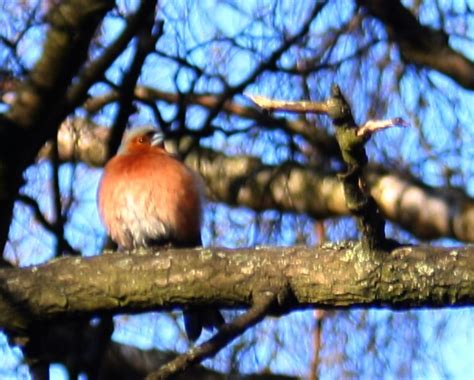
(425, 211)
(39, 105)
(331, 276)
(419, 44)
(72, 26)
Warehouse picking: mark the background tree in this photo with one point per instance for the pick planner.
(76, 73)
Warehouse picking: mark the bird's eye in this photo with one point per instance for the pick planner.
(142, 140)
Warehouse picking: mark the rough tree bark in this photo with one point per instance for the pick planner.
(340, 275)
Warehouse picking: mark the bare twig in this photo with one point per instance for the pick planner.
(48, 226)
(289, 106)
(319, 316)
(262, 304)
(267, 64)
(372, 126)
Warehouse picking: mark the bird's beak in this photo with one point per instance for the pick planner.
(157, 139)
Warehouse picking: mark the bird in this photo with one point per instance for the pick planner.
(148, 198)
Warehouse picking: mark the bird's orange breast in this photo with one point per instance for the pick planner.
(150, 197)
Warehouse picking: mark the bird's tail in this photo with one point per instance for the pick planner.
(197, 318)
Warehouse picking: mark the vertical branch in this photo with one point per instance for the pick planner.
(58, 215)
(56, 227)
(351, 140)
(358, 200)
(319, 316)
(146, 40)
(38, 108)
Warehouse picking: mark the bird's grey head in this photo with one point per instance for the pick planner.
(142, 137)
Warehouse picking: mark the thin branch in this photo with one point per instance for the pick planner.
(50, 227)
(289, 106)
(351, 143)
(27, 200)
(95, 70)
(319, 317)
(59, 219)
(314, 64)
(265, 64)
(325, 143)
(372, 126)
(145, 44)
(262, 305)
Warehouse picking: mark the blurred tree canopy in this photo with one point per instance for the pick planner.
(75, 74)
